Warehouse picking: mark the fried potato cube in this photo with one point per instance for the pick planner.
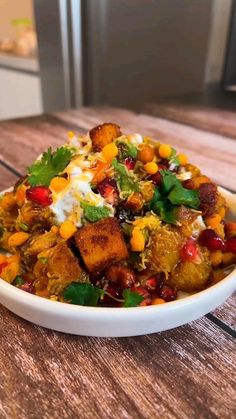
(101, 244)
(56, 268)
(165, 249)
(104, 134)
(189, 276)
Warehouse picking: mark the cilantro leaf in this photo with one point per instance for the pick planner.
(126, 183)
(165, 210)
(182, 196)
(50, 165)
(132, 298)
(93, 214)
(126, 149)
(82, 294)
(169, 180)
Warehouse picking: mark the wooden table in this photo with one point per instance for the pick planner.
(183, 373)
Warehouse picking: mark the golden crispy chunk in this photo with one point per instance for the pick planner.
(104, 134)
(165, 249)
(42, 242)
(56, 268)
(34, 216)
(188, 276)
(101, 244)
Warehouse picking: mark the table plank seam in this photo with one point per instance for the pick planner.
(10, 168)
(221, 324)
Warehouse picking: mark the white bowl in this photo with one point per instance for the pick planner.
(117, 322)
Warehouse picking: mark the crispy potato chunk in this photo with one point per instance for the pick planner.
(165, 249)
(101, 244)
(34, 216)
(103, 135)
(188, 276)
(42, 242)
(57, 268)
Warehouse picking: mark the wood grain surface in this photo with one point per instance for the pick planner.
(220, 121)
(187, 372)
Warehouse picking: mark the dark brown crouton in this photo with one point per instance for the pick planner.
(101, 244)
(208, 198)
(103, 135)
(56, 268)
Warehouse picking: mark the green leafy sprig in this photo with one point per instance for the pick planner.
(50, 165)
(88, 295)
(170, 195)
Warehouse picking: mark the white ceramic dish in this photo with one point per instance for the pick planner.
(117, 322)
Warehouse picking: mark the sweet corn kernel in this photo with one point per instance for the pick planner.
(17, 239)
(151, 168)
(67, 229)
(157, 301)
(183, 159)
(213, 221)
(165, 151)
(71, 134)
(57, 184)
(199, 180)
(137, 241)
(109, 152)
(216, 258)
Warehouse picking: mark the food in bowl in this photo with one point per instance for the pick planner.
(114, 220)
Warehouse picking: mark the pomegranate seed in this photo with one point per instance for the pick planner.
(168, 294)
(114, 291)
(28, 287)
(190, 252)
(156, 179)
(130, 162)
(188, 184)
(108, 189)
(144, 293)
(231, 245)
(40, 195)
(211, 240)
(155, 283)
(2, 266)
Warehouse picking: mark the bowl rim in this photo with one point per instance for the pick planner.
(28, 299)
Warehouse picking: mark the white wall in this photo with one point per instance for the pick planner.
(20, 94)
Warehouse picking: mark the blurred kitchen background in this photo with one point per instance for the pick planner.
(136, 54)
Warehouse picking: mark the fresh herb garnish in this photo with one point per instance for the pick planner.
(93, 214)
(18, 281)
(170, 195)
(82, 294)
(132, 298)
(89, 295)
(24, 226)
(126, 150)
(50, 165)
(124, 180)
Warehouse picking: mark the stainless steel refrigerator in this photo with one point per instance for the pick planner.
(128, 52)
